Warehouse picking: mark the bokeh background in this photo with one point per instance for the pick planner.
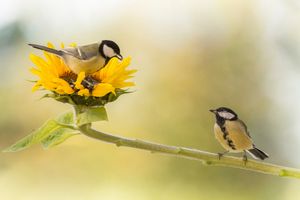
(191, 56)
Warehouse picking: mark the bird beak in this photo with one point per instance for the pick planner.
(213, 111)
(119, 56)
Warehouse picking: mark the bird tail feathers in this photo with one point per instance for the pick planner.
(257, 153)
(54, 51)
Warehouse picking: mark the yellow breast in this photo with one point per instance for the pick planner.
(237, 139)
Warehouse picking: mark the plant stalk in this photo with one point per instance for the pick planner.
(206, 158)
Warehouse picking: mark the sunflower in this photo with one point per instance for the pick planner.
(98, 88)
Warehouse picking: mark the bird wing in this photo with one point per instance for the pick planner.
(84, 52)
(238, 137)
(245, 126)
(72, 51)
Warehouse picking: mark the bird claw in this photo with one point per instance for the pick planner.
(245, 158)
(220, 155)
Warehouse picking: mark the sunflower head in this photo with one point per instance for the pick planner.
(96, 89)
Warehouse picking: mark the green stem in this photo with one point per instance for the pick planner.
(206, 157)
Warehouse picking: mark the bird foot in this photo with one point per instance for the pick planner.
(220, 155)
(245, 158)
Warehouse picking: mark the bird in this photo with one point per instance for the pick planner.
(233, 135)
(87, 58)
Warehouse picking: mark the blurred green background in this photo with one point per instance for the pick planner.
(191, 56)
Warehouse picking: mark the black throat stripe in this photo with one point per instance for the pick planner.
(221, 124)
(226, 137)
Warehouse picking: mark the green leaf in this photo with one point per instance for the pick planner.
(61, 134)
(58, 136)
(92, 115)
(37, 136)
(66, 118)
(112, 97)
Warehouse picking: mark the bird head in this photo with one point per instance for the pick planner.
(225, 113)
(109, 49)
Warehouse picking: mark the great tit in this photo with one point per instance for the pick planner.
(232, 134)
(87, 58)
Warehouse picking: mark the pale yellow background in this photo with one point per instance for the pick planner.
(191, 56)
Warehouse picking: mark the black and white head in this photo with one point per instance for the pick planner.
(224, 113)
(109, 49)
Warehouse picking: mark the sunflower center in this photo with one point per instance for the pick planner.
(70, 77)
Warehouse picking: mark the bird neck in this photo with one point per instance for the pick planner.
(220, 120)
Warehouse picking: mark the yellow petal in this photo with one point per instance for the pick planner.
(84, 92)
(73, 44)
(129, 72)
(65, 90)
(59, 91)
(124, 84)
(108, 70)
(49, 85)
(102, 89)
(53, 61)
(63, 85)
(35, 71)
(36, 86)
(115, 73)
(38, 61)
(79, 80)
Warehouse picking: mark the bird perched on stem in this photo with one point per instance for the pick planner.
(87, 58)
(232, 134)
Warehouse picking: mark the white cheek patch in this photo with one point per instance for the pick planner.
(226, 115)
(108, 52)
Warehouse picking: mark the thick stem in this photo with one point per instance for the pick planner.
(78, 109)
(206, 157)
